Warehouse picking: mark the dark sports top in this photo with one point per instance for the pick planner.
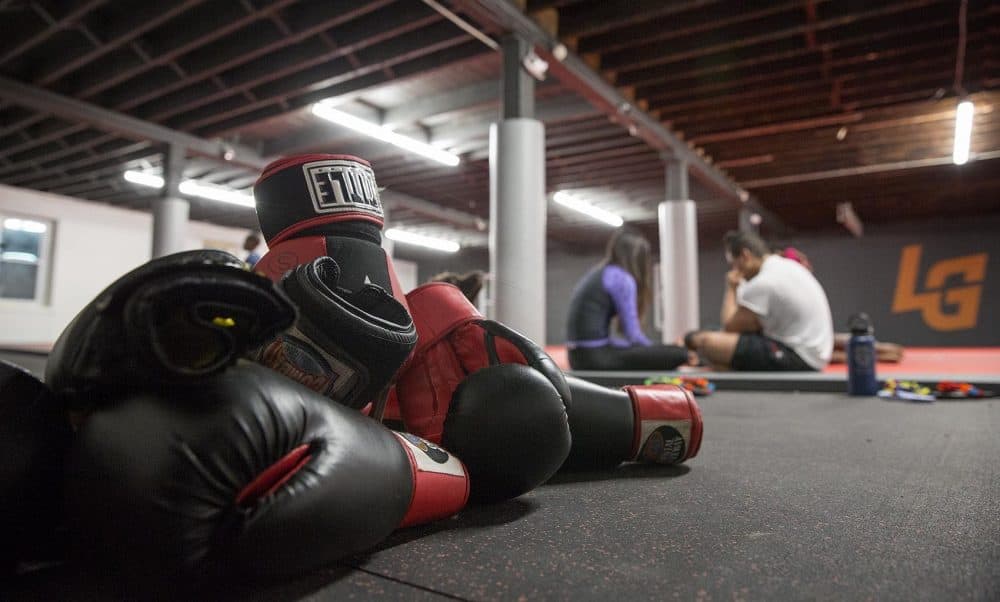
(604, 292)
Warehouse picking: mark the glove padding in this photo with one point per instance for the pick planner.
(34, 436)
(345, 345)
(661, 424)
(248, 475)
(485, 392)
(175, 319)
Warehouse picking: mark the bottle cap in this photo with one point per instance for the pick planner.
(860, 323)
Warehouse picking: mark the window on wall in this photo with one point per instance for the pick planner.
(24, 257)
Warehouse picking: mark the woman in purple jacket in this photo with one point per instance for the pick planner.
(619, 286)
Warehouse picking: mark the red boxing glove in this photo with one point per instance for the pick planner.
(320, 205)
(654, 423)
(317, 205)
(485, 392)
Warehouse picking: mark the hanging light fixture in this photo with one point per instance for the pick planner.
(965, 110)
(203, 190)
(325, 110)
(567, 200)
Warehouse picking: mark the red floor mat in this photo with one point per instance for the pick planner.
(917, 360)
(938, 360)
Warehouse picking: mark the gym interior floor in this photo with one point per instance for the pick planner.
(793, 496)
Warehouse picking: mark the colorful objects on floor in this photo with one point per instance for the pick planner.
(698, 386)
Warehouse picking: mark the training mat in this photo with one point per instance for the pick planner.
(793, 496)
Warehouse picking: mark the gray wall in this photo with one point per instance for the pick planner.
(860, 274)
(857, 274)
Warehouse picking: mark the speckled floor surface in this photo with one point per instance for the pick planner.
(793, 496)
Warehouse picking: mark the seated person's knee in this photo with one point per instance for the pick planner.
(692, 340)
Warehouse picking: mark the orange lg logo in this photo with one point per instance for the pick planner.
(932, 302)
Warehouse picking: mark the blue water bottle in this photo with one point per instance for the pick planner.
(861, 379)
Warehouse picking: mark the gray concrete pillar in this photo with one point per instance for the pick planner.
(747, 222)
(517, 85)
(517, 225)
(170, 211)
(678, 221)
(170, 218)
(387, 244)
(517, 201)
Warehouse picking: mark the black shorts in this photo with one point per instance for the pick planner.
(756, 352)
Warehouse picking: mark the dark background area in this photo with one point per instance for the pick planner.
(858, 274)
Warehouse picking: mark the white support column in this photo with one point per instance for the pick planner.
(387, 244)
(170, 218)
(517, 225)
(678, 256)
(170, 211)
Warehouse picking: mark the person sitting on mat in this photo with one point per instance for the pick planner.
(775, 314)
(884, 351)
(619, 286)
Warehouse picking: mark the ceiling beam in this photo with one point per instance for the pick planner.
(393, 198)
(602, 16)
(574, 73)
(241, 73)
(144, 131)
(554, 109)
(484, 93)
(137, 24)
(895, 37)
(698, 84)
(381, 67)
(59, 24)
(137, 129)
(864, 169)
(675, 26)
(655, 53)
(106, 163)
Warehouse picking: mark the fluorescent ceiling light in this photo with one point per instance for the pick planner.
(204, 190)
(324, 110)
(19, 257)
(24, 225)
(144, 179)
(963, 132)
(215, 192)
(567, 200)
(405, 237)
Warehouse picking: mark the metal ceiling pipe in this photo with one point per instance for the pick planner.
(577, 75)
(864, 169)
(38, 99)
(220, 151)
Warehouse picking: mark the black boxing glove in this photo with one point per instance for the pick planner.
(485, 392)
(177, 318)
(661, 424)
(347, 345)
(247, 475)
(34, 436)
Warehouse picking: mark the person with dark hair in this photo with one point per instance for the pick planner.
(470, 283)
(775, 314)
(250, 244)
(619, 286)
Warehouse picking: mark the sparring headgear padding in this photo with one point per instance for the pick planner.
(177, 318)
(296, 194)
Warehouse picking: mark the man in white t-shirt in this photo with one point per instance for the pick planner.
(775, 315)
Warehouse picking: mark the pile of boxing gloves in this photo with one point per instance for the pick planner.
(199, 420)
